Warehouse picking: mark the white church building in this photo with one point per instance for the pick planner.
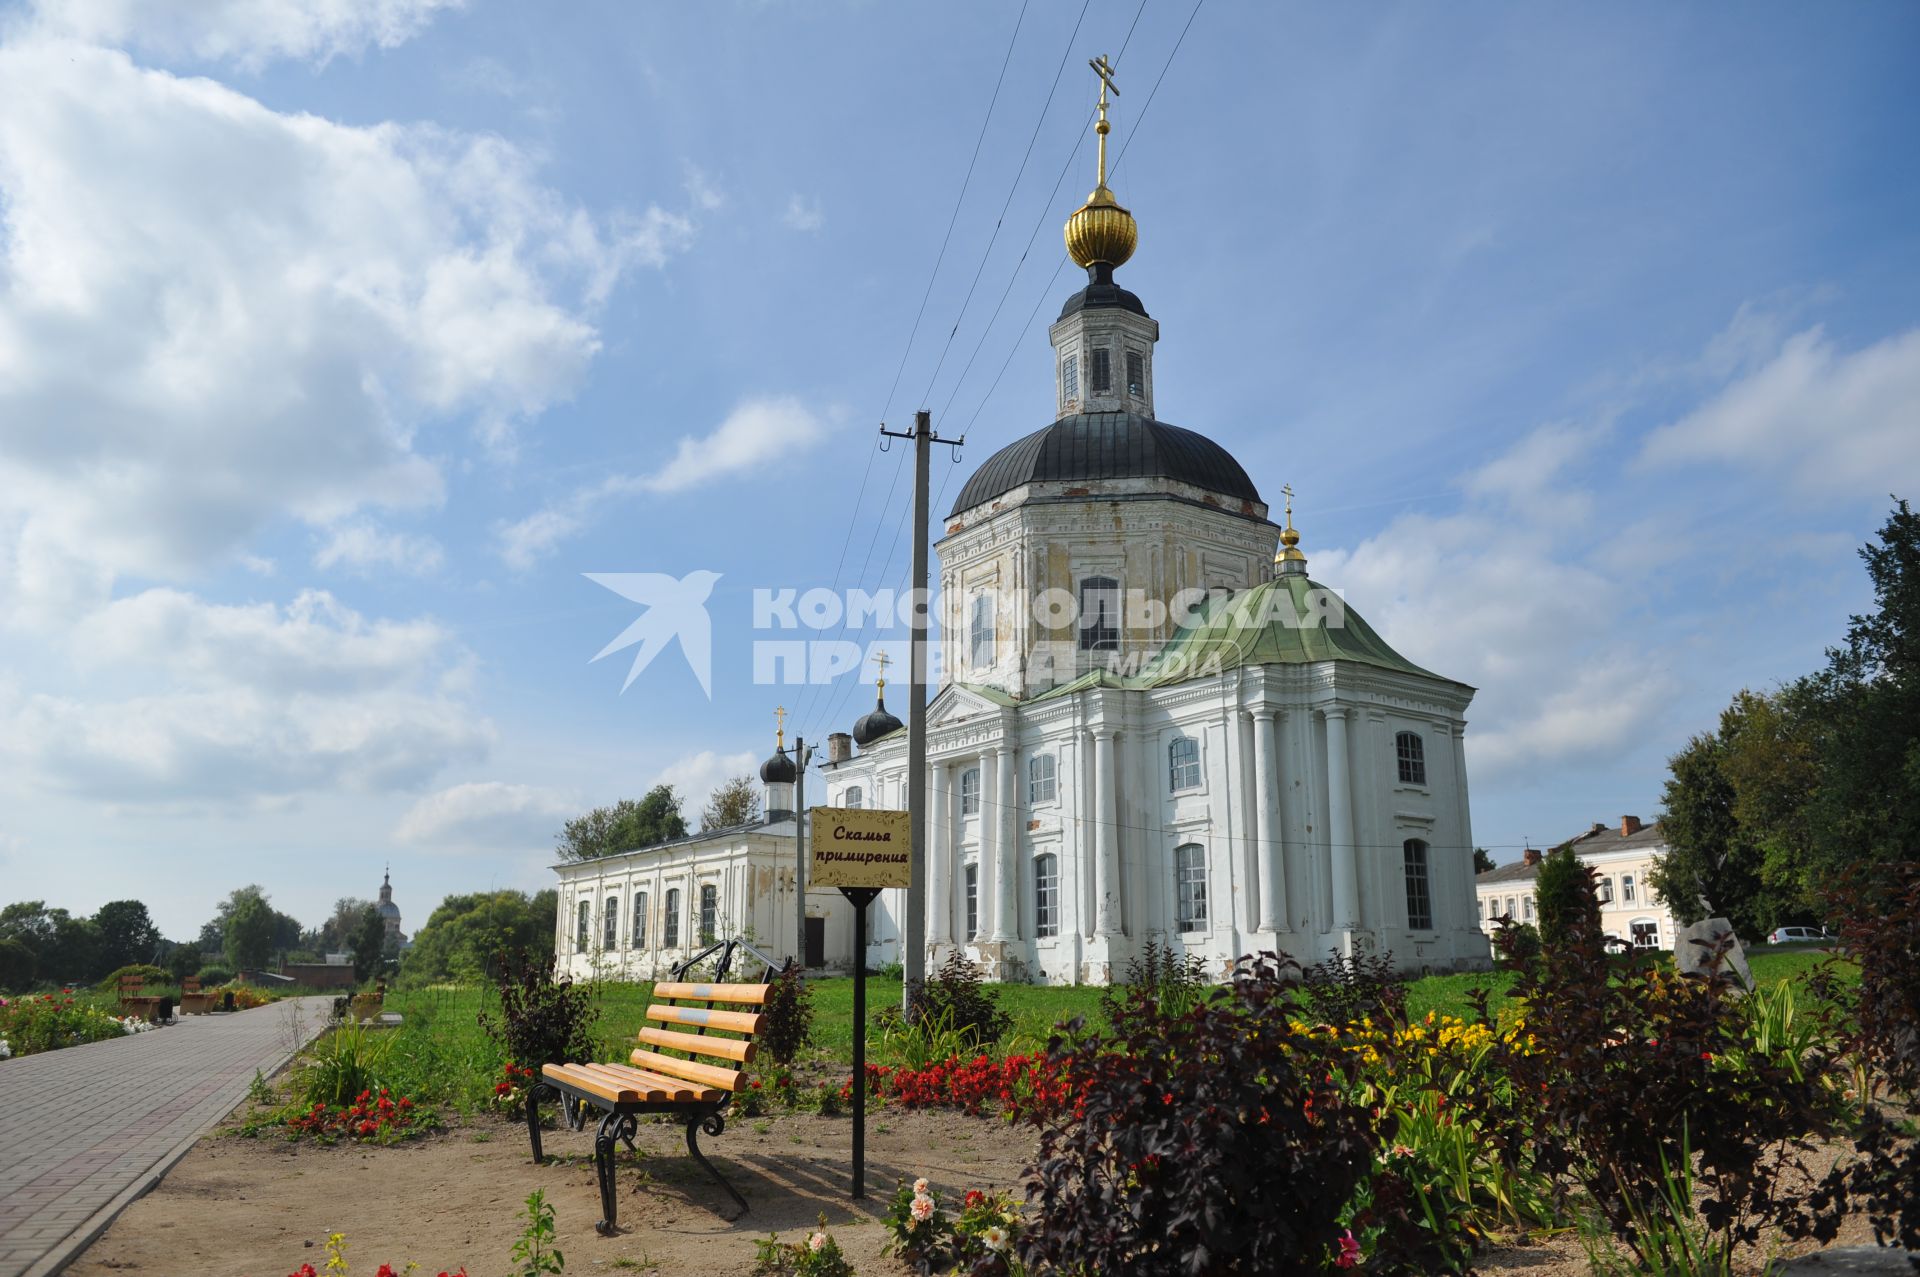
(1152, 723)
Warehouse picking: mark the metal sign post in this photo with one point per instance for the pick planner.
(861, 851)
(860, 898)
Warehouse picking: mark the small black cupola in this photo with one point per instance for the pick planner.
(878, 722)
(778, 773)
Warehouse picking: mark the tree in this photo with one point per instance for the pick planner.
(249, 932)
(1712, 866)
(28, 922)
(735, 802)
(17, 964)
(368, 943)
(624, 826)
(127, 934)
(1565, 897)
(337, 931)
(1482, 860)
(184, 960)
(465, 937)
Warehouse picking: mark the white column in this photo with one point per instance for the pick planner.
(990, 833)
(1467, 918)
(1106, 884)
(939, 859)
(1006, 866)
(1266, 817)
(1346, 896)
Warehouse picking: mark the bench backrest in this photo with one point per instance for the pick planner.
(130, 984)
(190, 985)
(694, 1020)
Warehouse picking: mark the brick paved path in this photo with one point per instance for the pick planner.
(86, 1130)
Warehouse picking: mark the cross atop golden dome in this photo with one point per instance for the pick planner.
(1290, 559)
(1100, 232)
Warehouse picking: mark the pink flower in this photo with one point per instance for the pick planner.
(920, 1187)
(922, 1208)
(817, 1243)
(1349, 1251)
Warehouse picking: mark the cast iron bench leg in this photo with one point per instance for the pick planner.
(713, 1123)
(615, 1127)
(533, 1121)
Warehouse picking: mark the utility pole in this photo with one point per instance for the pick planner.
(914, 957)
(801, 757)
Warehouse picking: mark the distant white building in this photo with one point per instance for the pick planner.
(1624, 856)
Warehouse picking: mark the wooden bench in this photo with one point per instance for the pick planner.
(667, 1076)
(192, 1001)
(134, 1002)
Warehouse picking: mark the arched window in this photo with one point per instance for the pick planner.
(1626, 889)
(970, 791)
(1419, 889)
(1412, 753)
(1183, 763)
(853, 797)
(980, 632)
(1526, 908)
(1040, 779)
(1190, 886)
(1046, 895)
(672, 921)
(611, 923)
(1099, 614)
(973, 901)
(639, 919)
(585, 929)
(709, 911)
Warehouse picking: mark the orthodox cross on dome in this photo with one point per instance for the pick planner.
(1103, 69)
(882, 660)
(779, 726)
(1287, 488)
(1289, 560)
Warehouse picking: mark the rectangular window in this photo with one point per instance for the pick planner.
(1070, 378)
(639, 919)
(709, 912)
(980, 632)
(672, 922)
(1136, 375)
(1626, 888)
(1183, 763)
(1099, 614)
(1102, 370)
(970, 791)
(612, 923)
(1480, 909)
(1419, 892)
(1046, 895)
(1646, 933)
(1040, 779)
(585, 928)
(1526, 907)
(973, 901)
(1190, 885)
(1412, 754)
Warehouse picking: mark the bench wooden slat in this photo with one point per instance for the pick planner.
(653, 1086)
(741, 1049)
(704, 1018)
(575, 1076)
(747, 994)
(693, 1070)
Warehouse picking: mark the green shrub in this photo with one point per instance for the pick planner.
(211, 976)
(1174, 982)
(956, 997)
(343, 1064)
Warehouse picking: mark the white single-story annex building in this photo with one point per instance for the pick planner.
(1153, 724)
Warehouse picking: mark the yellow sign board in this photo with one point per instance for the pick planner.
(859, 847)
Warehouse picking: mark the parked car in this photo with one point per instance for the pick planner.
(1799, 935)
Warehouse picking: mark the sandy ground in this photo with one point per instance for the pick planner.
(238, 1207)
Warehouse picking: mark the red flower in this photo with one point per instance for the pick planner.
(975, 1197)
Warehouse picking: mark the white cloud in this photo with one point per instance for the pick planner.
(1845, 423)
(361, 545)
(695, 777)
(214, 317)
(757, 435)
(804, 213)
(248, 33)
(489, 813)
(250, 703)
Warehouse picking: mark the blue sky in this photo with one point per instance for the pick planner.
(337, 342)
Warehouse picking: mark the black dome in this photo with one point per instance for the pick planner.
(778, 770)
(1108, 445)
(1101, 293)
(875, 724)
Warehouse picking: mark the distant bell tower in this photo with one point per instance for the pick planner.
(1103, 341)
(389, 911)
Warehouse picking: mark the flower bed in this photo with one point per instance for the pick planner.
(371, 1118)
(48, 1022)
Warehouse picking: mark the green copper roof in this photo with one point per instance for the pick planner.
(1289, 620)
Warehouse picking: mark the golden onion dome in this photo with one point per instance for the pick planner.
(1100, 231)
